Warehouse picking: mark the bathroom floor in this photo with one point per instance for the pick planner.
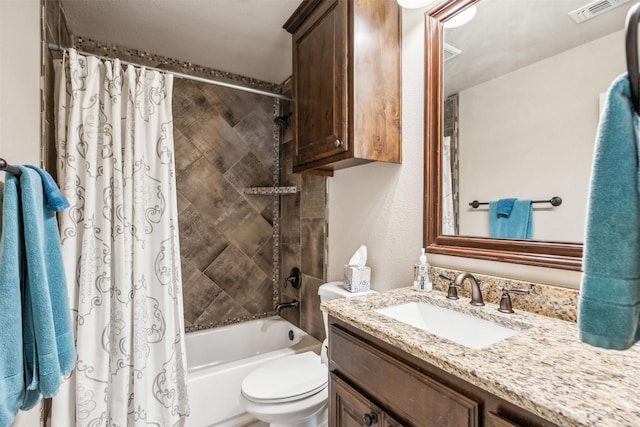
(255, 424)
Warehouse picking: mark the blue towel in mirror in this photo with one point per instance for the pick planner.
(504, 207)
(516, 226)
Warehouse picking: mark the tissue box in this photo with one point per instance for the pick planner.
(357, 279)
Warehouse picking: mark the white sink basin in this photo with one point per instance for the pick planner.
(458, 327)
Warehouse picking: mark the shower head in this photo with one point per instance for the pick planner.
(282, 121)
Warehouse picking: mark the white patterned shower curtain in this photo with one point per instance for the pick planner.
(120, 246)
(448, 213)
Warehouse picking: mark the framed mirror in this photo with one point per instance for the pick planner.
(492, 85)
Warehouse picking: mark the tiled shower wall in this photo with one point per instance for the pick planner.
(224, 142)
(54, 30)
(303, 238)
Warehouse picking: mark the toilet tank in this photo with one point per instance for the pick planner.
(334, 290)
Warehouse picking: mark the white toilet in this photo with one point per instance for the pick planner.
(293, 391)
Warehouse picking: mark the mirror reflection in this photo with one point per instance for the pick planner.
(523, 84)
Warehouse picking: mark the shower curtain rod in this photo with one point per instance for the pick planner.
(57, 48)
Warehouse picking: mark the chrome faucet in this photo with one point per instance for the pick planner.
(290, 304)
(476, 293)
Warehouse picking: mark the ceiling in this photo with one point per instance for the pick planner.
(243, 37)
(246, 37)
(506, 35)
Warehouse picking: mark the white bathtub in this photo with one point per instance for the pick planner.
(218, 359)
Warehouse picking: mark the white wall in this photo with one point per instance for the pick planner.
(20, 100)
(545, 117)
(20, 81)
(380, 204)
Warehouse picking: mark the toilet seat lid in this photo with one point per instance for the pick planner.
(286, 379)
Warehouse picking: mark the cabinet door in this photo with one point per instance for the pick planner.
(415, 397)
(320, 84)
(387, 421)
(348, 408)
(495, 420)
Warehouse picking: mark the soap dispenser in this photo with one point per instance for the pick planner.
(421, 274)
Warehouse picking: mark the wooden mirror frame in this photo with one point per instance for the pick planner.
(561, 255)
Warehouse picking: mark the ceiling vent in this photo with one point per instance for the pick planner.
(594, 9)
(450, 52)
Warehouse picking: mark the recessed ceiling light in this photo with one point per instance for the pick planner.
(461, 18)
(416, 4)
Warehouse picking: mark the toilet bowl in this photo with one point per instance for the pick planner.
(293, 391)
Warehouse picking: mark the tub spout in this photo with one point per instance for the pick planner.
(294, 303)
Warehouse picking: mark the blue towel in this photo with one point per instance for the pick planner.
(504, 207)
(516, 226)
(11, 364)
(48, 338)
(55, 199)
(609, 303)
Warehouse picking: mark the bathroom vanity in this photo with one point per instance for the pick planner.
(385, 372)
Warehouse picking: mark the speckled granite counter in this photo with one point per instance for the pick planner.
(543, 369)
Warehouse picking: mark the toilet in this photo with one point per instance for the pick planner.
(293, 391)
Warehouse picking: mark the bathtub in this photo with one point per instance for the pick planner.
(218, 359)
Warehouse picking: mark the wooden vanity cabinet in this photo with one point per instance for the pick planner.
(353, 409)
(346, 83)
(372, 381)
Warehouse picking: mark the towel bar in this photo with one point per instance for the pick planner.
(8, 168)
(555, 201)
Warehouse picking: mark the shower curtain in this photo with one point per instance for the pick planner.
(448, 214)
(120, 246)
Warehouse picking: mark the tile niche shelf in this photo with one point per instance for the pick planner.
(269, 191)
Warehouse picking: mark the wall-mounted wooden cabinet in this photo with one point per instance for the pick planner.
(346, 83)
(373, 383)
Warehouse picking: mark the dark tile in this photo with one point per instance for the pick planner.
(288, 293)
(261, 300)
(250, 172)
(65, 31)
(257, 132)
(186, 152)
(188, 103)
(310, 314)
(198, 290)
(290, 314)
(222, 308)
(243, 226)
(267, 212)
(206, 189)
(236, 274)
(290, 218)
(52, 18)
(200, 241)
(217, 141)
(183, 203)
(234, 105)
(264, 257)
(289, 258)
(312, 244)
(287, 177)
(313, 197)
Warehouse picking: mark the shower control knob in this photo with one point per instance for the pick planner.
(370, 419)
(339, 143)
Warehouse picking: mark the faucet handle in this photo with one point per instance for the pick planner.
(452, 292)
(505, 300)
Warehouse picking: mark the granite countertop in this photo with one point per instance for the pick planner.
(544, 369)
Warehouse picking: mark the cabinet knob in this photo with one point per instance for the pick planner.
(370, 418)
(338, 143)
